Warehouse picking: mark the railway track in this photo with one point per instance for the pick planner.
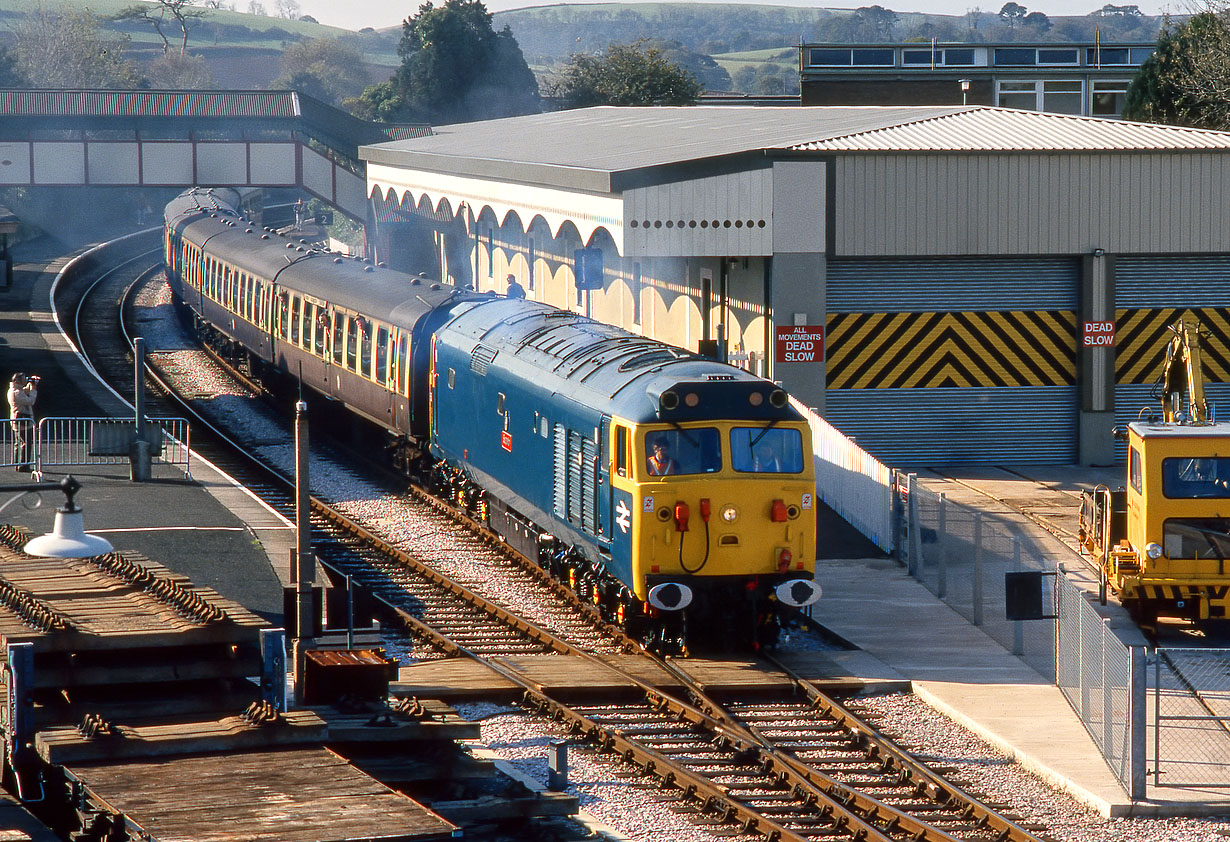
(825, 775)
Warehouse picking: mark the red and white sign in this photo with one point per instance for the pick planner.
(800, 343)
(506, 440)
(1099, 335)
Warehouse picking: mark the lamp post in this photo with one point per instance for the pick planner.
(68, 538)
(964, 83)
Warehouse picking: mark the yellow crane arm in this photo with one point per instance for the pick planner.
(1183, 373)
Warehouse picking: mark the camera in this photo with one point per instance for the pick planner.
(34, 378)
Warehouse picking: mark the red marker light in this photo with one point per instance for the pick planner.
(778, 513)
(783, 560)
(681, 516)
(704, 509)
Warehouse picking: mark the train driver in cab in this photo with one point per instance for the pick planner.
(660, 463)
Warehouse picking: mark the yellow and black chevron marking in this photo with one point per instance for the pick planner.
(936, 350)
(1141, 338)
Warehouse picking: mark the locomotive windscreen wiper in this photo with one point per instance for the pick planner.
(756, 440)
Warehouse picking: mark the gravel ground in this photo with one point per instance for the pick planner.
(607, 790)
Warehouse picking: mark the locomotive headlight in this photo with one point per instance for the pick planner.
(730, 514)
(1153, 551)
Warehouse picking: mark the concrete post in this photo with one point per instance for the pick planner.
(977, 607)
(1096, 362)
(305, 561)
(139, 453)
(1137, 705)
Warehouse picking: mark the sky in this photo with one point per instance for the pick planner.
(356, 14)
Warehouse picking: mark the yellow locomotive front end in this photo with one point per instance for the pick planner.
(723, 527)
(1173, 559)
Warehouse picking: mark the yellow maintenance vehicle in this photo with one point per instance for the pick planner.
(1161, 543)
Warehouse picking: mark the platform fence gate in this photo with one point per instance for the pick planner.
(11, 433)
(1190, 717)
(107, 441)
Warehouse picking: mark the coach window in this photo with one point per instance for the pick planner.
(382, 354)
(339, 337)
(295, 310)
(320, 322)
(352, 344)
(365, 336)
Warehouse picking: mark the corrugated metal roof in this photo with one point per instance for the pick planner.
(610, 139)
(985, 129)
(587, 148)
(108, 103)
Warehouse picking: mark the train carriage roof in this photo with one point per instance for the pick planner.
(607, 368)
(376, 292)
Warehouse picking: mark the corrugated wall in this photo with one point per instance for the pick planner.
(1031, 204)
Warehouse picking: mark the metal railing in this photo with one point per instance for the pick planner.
(108, 441)
(18, 443)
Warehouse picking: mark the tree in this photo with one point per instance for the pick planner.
(625, 74)
(288, 9)
(172, 71)
(1112, 11)
(324, 68)
(156, 13)
(1037, 21)
(382, 103)
(255, 7)
(10, 76)
(65, 49)
(1186, 81)
(456, 68)
(1012, 12)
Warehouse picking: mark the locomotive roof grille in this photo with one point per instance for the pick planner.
(481, 359)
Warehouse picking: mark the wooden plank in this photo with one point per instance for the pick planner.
(292, 795)
(66, 746)
(490, 808)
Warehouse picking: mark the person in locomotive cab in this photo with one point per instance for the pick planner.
(660, 463)
(23, 392)
(515, 290)
(766, 460)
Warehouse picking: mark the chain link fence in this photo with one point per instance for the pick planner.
(1191, 718)
(962, 554)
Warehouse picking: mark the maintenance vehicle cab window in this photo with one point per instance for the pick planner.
(766, 450)
(1186, 478)
(1196, 537)
(683, 451)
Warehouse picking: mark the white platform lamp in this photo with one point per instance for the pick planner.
(68, 538)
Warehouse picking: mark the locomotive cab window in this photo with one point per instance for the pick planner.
(766, 450)
(1186, 478)
(1135, 473)
(621, 451)
(683, 451)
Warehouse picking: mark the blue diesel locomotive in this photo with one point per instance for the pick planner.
(670, 490)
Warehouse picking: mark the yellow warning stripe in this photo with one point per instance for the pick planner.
(936, 350)
(1141, 338)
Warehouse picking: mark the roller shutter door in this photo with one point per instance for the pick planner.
(1152, 292)
(954, 360)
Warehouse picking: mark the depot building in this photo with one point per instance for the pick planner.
(948, 285)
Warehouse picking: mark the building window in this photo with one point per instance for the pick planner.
(1016, 56)
(1109, 98)
(1023, 95)
(1062, 97)
(1057, 96)
(1116, 56)
(958, 58)
(847, 57)
(1069, 56)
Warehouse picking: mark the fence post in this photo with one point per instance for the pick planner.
(1137, 703)
(1157, 719)
(977, 568)
(1018, 627)
(916, 559)
(941, 584)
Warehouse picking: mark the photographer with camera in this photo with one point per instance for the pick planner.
(23, 392)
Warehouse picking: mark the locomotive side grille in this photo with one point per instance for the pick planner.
(481, 359)
(589, 482)
(561, 471)
(576, 474)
